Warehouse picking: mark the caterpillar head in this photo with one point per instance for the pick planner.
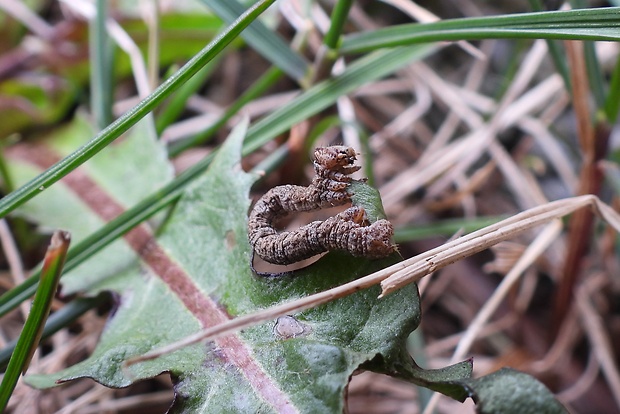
(335, 157)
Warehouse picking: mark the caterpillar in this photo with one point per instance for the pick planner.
(349, 230)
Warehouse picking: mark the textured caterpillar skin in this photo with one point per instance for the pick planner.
(348, 230)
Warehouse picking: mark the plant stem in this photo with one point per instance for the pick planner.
(339, 18)
(328, 53)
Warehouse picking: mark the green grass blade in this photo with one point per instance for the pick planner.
(117, 128)
(559, 60)
(33, 328)
(328, 55)
(582, 24)
(11, 299)
(5, 176)
(271, 162)
(339, 18)
(265, 41)
(100, 49)
(595, 74)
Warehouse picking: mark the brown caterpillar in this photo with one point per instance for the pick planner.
(348, 230)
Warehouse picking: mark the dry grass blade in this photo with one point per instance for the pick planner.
(408, 271)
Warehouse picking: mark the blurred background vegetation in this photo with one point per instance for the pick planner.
(552, 139)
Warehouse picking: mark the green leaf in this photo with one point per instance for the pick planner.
(369, 197)
(511, 392)
(197, 274)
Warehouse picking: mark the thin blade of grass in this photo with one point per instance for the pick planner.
(327, 55)
(33, 328)
(557, 54)
(582, 24)
(595, 77)
(338, 19)
(443, 228)
(595, 74)
(100, 50)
